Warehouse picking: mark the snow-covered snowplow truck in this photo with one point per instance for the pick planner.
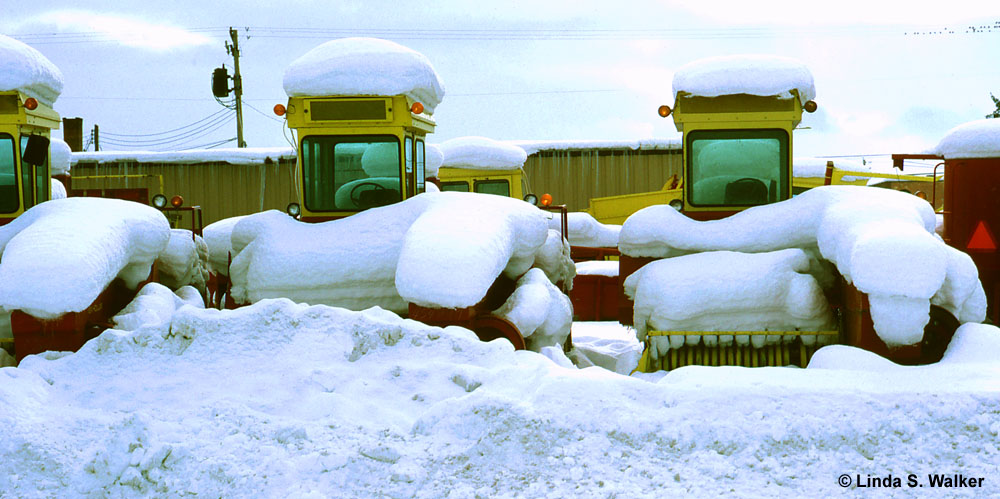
(741, 273)
(25, 125)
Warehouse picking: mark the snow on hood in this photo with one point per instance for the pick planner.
(975, 139)
(762, 75)
(59, 157)
(880, 240)
(233, 156)
(585, 230)
(364, 66)
(481, 153)
(61, 254)
(184, 262)
(434, 158)
(218, 237)
(25, 69)
(440, 250)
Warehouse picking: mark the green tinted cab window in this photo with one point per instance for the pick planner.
(350, 173)
(498, 187)
(455, 186)
(8, 175)
(737, 167)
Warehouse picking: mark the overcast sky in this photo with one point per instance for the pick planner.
(888, 78)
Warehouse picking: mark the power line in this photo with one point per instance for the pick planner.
(167, 131)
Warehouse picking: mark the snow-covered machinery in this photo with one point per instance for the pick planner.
(720, 279)
(970, 154)
(25, 125)
(359, 132)
(483, 165)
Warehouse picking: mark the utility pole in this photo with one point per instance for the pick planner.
(234, 49)
(97, 139)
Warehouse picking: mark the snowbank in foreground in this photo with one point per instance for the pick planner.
(58, 256)
(481, 153)
(278, 399)
(25, 69)
(975, 139)
(438, 250)
(880, 240)
(762, 75)
(364, 66)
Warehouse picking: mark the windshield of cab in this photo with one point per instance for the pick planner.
(737, 167)
(350, 173)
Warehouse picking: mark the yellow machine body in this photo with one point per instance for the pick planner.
(22, 185)
(484, 181)
(356, 152)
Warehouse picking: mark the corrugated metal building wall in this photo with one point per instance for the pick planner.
(573, 177)
(222, 190)
(265, 181)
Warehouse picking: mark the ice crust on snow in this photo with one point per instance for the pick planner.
(763, 75)
(585, 230)
(975, 139)
(880, 240)
(319, 401)
(25, 69)
(364, 66)
(59, 255)
(440, 250)
(481, 153)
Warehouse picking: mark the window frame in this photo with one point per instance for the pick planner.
(784, 143)
(333, 140)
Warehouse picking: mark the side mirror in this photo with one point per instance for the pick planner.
(36, 151)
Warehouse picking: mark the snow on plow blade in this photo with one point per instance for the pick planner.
(794, 349)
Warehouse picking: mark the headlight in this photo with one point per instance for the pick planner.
(293, 210)
(159, 201)
(677, 204)
(531, 198)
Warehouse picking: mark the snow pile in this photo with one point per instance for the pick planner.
(233, 156)
(880, 240)
(608, 345)
(58, 190)
(727, 291)
(151, 311)
(433, 159)
(364, 66)
(975, 139)
(439, 250)
(762, 75)
(58, 256)
(184, 262)
(285, 400)
(608, 268)
(553, 258)
(481, 153)
(585, 230)
(25, 69)
(541, 312)
(59, 157)
(218, 238)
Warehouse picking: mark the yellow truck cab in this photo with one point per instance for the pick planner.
(737, 150)
(356, 153)
(499, 182)
(25, 126)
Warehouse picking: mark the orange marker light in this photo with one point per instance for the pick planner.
(279, 109)
(417, 108)
(664, 111)
(30, 104)
(546, 199)
(176, 201)
(810, 106)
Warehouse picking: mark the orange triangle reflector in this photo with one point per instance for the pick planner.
(981, 239)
